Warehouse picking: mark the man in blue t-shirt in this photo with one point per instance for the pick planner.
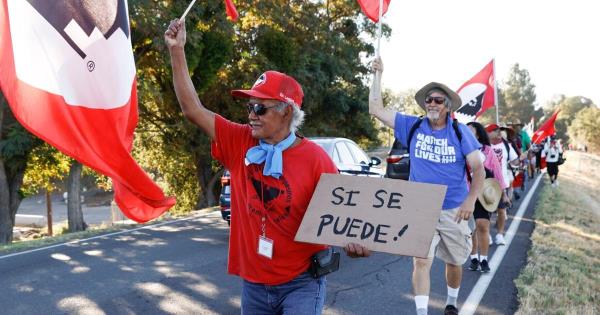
(437, 156)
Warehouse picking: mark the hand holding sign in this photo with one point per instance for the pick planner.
(354, 250)
(385, 215)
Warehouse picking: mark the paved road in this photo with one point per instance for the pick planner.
(179, 268)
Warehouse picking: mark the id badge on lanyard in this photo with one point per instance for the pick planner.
(265, 244)
(265, 247)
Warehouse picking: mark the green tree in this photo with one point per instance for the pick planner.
(583, 129)
(15, 146)
(518, 97)
(46, 168)
(569, 108)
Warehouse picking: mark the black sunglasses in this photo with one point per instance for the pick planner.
(437, 99)
(258, 108)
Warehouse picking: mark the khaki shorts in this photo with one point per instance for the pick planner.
(451, 241)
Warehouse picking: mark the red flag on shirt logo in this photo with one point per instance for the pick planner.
(371, 8)
(477, 94)
(67, 71)
(232, 13)
(545, 130)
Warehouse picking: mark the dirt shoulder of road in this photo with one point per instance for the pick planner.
(562, 275)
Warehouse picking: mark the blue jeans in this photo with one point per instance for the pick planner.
(303, 295)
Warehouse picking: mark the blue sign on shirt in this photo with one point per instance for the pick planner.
(437, 156)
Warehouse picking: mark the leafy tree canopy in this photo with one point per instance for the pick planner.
(583, 130)
(569, 108)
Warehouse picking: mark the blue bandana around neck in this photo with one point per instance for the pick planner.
(271, 155)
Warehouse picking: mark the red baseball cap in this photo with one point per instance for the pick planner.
(491, 127)
(273, 85)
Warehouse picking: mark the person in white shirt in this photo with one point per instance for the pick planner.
(552, 154)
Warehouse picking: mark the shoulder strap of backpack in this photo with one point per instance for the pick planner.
(506, 145)
(411, 133)
(459, 136)
(457, 130)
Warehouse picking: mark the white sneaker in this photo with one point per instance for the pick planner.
(491, 242)
(553, 185)
(500, 239)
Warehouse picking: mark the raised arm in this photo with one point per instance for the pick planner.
(376, 108)
(190, 104)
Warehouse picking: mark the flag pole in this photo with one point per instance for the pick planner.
(379, 28)
(495, 90)
(378, 51)
(187, 10)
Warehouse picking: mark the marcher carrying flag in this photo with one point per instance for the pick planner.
(478, 95)
(547, 129)
(67, 71)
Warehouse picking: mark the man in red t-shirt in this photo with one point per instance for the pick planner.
(273, 176)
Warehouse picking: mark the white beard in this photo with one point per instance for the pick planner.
(433, 116)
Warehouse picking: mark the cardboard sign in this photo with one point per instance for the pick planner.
(386, 215)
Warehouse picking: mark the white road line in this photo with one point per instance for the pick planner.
(105, 235)
(483, 283)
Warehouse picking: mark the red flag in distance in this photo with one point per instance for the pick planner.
(545, 130)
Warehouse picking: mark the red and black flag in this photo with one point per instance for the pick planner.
(68, 73)
(478, 95)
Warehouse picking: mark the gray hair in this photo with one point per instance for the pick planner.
(297, 115)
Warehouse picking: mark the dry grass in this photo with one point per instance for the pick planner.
(563, 271)
(36, 238)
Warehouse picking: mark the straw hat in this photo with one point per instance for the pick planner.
(490, 195)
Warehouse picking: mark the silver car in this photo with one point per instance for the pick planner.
(349, 158)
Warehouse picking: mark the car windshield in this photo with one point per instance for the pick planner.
(323, 143)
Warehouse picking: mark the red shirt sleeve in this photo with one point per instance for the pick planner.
(231, 141)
